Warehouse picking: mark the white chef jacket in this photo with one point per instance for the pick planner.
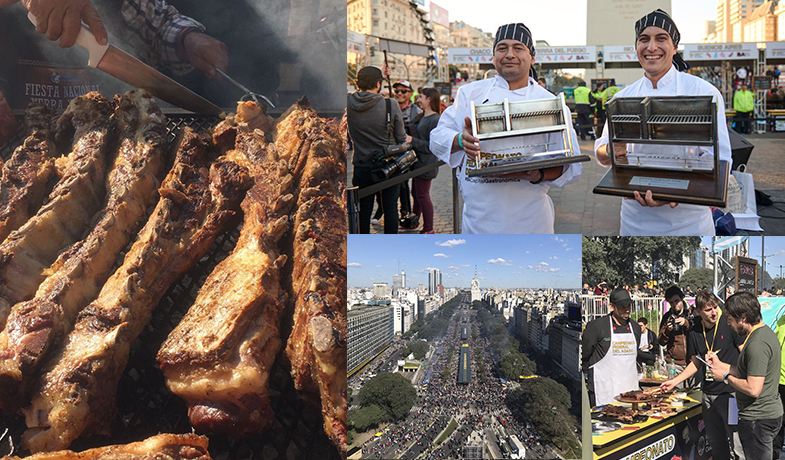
(492, 204)
(684, 219)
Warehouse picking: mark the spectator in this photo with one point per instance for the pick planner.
(428, 100)
(743, 104)
(648, 345)
(674, 326)
(411, 115)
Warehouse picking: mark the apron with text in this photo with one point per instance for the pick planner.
(616, 372)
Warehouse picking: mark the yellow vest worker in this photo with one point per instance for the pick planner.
(611, 91)
(581, 95)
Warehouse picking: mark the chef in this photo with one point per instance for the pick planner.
(609, 351)
(656, 42)
(509, 203)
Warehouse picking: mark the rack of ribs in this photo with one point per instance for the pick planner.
(77, 391)
(27, 253)
(317, 344)
(37, 325)
(219, 356)
(23, 184)
(162, 446)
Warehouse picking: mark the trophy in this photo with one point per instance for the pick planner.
(522, 135)
(666, 140)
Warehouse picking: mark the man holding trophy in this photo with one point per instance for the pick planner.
(515, 202)
(657, 40)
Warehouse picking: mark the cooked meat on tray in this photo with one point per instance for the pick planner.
(621, 413)
(636, 394)
(162, 446)
(25, 175)
(76, 395)
(37, 325)
(26, 254)
(317, 345)
(220, 355)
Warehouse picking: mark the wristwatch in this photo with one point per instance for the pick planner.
(542, 176)
(725, 378)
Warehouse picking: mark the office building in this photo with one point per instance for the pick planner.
(370, 330)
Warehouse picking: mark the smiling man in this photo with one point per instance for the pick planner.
(656, 44)
(510, 203)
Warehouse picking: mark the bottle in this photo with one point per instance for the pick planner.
(672, 370)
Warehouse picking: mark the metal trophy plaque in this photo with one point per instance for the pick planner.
(666, 140)
(522, 135)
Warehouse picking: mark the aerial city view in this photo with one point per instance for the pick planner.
(464, 347)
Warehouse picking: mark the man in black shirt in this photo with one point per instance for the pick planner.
(649, 348)
(609, 351)
(712, 333)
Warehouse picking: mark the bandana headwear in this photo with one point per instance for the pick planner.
(518, 32)
(661, 19)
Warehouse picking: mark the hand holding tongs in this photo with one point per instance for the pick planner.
(248, 93)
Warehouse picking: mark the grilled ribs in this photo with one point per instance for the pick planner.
(316, 347)
(621, 413)
(25, 176)
(159, 447)
(27, 253)
(220, 355)
(76, 394)
(37, 325)
(635, 394)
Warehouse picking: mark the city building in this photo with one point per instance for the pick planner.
(398, 283)
(476, 289)
(434, 280)
(564, 346)
(732, 17)
(403, 317)
(762, 24)
(370, 330)
(380, 290)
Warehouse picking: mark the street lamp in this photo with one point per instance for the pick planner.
(408, 78)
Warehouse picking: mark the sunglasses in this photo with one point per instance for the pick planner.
(402, 91)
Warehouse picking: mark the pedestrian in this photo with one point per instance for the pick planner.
(743, 104)
(411, 115)
(428, 100)
(583, 109)
(664, 75)
(509, 203)
(713, 334)
(755, 376)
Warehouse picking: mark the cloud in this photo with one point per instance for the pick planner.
(451, 243)
(553, 258)
(500, 261)
(554, 270)
(542, 267)
(378, 266)
(530, 267)
(354, 265)
(568, 249)
(456, 267)
(441, 255)
(527, 252)
(517, 273)
(558, 240)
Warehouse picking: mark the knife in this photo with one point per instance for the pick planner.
(136, 73)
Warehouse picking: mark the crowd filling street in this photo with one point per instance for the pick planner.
(478, 406)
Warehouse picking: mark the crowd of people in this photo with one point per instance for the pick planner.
(475, 407)
(729, 353)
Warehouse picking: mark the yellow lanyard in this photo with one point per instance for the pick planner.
(751, 331)
(714, 339)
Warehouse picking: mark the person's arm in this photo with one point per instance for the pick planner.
(723, 139)
(756, 373)
(588, 340)
(169, 39)
(444, 138)
(399, 131)
(689, 371)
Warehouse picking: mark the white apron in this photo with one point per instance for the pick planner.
(616, 372)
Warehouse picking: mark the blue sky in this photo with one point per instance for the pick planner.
(774, 249)
(504, 261)
(563, 23)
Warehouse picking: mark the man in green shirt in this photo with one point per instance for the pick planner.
(743, 104)
(600, 96)
(582, 108)
(755, 376)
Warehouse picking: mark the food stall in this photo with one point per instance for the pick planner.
(658, 430)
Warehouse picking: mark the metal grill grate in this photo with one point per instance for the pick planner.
(145, 407)
(680, 119)
(626, 118)
(539, 113)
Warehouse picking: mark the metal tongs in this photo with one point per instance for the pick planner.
(248, 93)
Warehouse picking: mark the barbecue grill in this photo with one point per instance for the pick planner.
(522, 135)
(685, 171)
(145, 407)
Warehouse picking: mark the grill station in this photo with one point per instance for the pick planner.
(522, 135)
(666, 141)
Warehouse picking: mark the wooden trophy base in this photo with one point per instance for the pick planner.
(511, 168)
(691, 187)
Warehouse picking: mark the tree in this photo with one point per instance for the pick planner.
(623, 260)
(367, 417)
(697, 278)
(545, 402)
(514, 365)
(392, 392)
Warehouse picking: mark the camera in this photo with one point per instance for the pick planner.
(391, 160)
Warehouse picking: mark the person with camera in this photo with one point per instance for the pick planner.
(376, 128)
(674, 327)
(429, 102)
(508, 203)
(711, 334)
